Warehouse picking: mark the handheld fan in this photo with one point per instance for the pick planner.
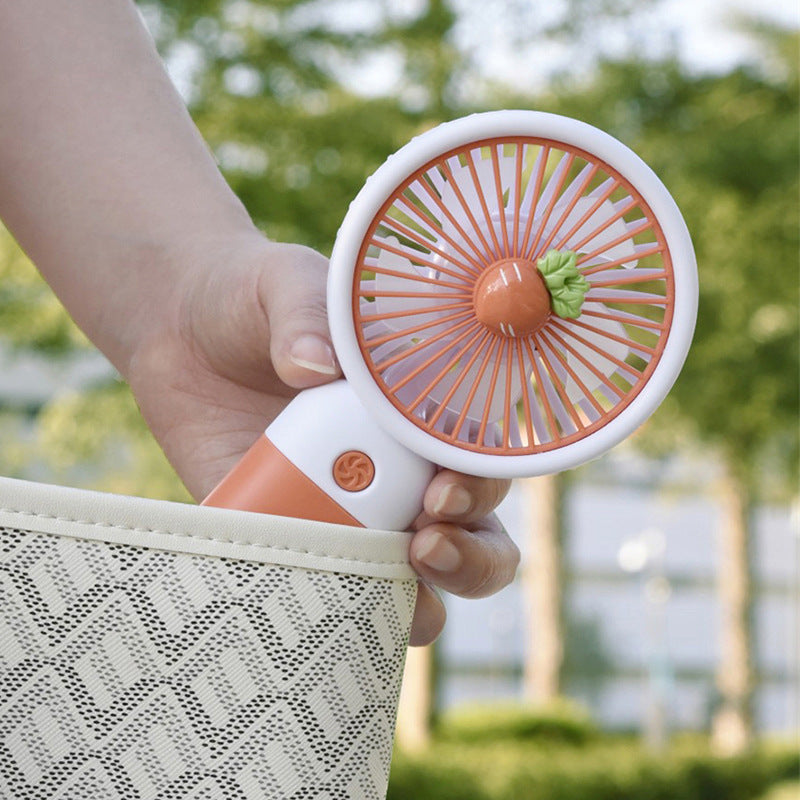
(510, 294)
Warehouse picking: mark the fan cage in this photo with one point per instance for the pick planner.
(459, 215)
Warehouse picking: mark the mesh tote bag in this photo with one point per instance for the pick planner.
(153, 650)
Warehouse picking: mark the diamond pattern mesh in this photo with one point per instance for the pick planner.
(139, 674)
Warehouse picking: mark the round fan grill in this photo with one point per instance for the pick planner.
(455, 322)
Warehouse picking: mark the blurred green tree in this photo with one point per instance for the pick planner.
(727, 148)
(94, 436)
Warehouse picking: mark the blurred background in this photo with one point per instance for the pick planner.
(649, 647)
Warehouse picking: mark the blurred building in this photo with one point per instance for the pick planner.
(615, 652)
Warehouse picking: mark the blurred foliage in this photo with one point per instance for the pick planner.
(429, 779)
(607, 770)
(270, 85)
(100, 435)
(30, 314)
(727, 148)
(558, 722)
(95, 437)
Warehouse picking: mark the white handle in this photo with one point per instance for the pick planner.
(323, 424)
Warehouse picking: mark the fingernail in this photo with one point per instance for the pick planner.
(452, 501)
(313, 352)
(438, 553)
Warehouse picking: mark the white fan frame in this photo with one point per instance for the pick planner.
(458, 133)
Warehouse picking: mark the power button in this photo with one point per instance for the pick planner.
(353, 471)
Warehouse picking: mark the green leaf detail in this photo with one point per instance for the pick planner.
(564, 281)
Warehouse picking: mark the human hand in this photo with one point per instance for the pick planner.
(225, 350)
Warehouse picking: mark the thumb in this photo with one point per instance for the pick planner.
(294, 296)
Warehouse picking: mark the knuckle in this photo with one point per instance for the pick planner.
(314, 310)
(494, 570)
(307, 255)
(483, 578)
(493, 492)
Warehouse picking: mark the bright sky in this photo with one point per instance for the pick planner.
(700, 31)
(706, 41)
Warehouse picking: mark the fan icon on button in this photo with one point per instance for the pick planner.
(353, 471)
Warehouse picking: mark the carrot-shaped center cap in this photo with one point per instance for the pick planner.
(511, 298)
(515, 297)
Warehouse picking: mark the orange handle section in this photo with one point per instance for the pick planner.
(265, 481)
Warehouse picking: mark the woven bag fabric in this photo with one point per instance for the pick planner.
(134, 673)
